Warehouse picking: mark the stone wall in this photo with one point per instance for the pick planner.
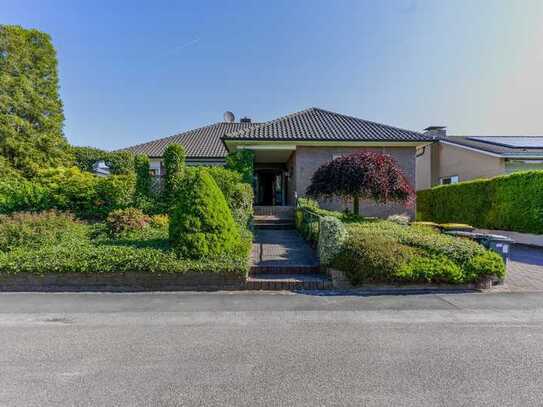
(136, 281)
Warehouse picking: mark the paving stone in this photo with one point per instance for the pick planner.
(525, 269)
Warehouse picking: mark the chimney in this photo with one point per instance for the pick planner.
(436, 131)
(245, 120)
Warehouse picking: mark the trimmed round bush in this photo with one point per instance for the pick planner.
(201, 223)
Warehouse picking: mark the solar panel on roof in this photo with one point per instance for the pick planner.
(514, 142)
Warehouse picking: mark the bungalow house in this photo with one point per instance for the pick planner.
(288, 150)
(451, 159)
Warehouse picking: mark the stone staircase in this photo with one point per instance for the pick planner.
(281, 259)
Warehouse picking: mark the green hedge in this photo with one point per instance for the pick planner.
(68, 189)
(382, 251)
(510, 202)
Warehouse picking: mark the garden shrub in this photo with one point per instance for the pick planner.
(68, 189)
(113, 192)
(385, 251)
(120, 162)
(423, 269)
(201, 223)
(399, 219)
(174, 167)
(331, 236)
(242, 162)
(143, 175)
(509, 202)
(36, 229)
(370, 257)
(121, 221)
(85, 257)
(238, 194)
(159, 221)
(21, 195)
(485, 264)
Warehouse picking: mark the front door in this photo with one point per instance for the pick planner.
(269, 187)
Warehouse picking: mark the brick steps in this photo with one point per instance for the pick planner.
(282, 270)
(273, 222)
(288, 282)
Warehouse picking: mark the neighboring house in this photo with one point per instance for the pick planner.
(452, 159)
(288, 150)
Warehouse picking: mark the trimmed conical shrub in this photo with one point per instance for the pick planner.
(201, 222)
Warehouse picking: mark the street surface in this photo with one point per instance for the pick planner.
(270, 349)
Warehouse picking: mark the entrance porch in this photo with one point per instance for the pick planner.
(274, 175)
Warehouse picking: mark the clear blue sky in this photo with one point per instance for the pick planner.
(132, 71)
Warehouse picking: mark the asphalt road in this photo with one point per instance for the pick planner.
(256, 349)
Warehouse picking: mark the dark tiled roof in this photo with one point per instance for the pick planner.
(316, 124)
(204, 142)
(494, 146)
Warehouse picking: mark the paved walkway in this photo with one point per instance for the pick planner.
(282, 248)
(525, 270)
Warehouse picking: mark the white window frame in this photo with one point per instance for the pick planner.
(454, 179)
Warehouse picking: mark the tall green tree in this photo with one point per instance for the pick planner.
(31, 114)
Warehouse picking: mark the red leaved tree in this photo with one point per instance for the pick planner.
(362, 175)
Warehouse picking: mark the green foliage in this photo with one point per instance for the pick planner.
(56, 242)
(242, 162)
(7, 171)
(370, 257)
(123, 221)
(201, 224)
(382, 251)
(31, 115)
(35, 229)
(70, 189)
(488, 263)
(332, 234)
(239, 195)
(112, 256)
(424, 269)
(20, 195)
(86, 157)
(67, 189)
(174, 167)
(510, 202)
(143, 175)
(120, 162)
(313, 206)
(159, 221)
(113, 192)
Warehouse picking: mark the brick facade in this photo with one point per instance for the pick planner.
(309, 159)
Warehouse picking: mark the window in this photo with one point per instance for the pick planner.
(449, 180)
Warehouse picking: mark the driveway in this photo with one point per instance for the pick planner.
(270, 349)
(525, 270)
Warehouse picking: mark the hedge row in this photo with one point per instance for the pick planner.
(382, 251)
(511, 202)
